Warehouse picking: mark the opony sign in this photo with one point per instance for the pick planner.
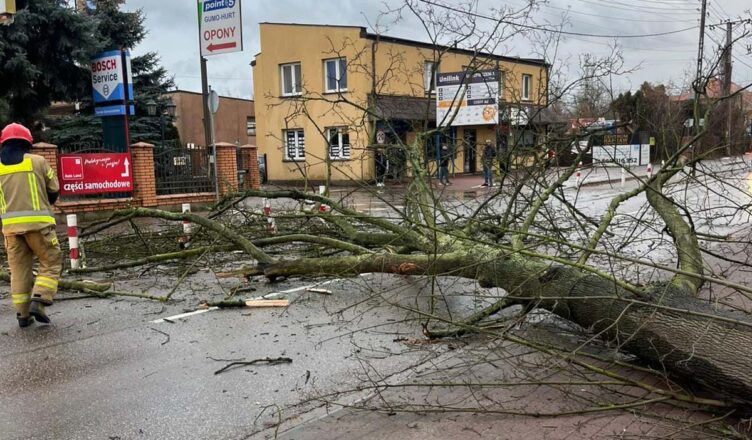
(220, 26)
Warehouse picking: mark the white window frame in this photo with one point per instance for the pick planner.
(338, 74)
(527, 85)
(430, 78)
(250, 125)
(296, 87)
(299, 140)
(342, 151)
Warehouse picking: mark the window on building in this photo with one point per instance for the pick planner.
(250, 125)
(290, 75)
(335, 75)
(294, 144)
(430, 72)
(339, 143)
(527, 84)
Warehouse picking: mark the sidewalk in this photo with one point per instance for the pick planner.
(589, 175)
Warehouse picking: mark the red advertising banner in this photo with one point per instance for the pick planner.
(95, 173)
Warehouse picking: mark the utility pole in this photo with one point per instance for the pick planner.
(205, 104)
(727, 85)
(698, 77)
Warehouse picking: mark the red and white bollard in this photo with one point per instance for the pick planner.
(578, 175)
(271, 225)
(187, 225)
(650, 170)
(72, 221)
(323, 208)
(267, 207)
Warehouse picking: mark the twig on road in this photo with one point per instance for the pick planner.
(161, 332)
(265, 361)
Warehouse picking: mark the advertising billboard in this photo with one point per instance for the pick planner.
(95, 173)
(465, 98)
(108, 78)
(220, 24)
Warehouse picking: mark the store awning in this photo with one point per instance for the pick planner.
(406, 108)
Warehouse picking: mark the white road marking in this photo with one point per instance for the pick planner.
(267, 296)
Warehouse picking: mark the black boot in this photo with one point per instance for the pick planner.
(24, 322)
(37, 311)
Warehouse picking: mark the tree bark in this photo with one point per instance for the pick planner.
(666, 327)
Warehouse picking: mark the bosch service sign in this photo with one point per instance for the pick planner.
(95, 173)
(220, 26)
(108, 79)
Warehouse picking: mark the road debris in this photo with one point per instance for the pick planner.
(264, 361)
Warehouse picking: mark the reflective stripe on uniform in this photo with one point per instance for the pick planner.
(21, 298)
(50, 174)
(29, 219)
(24, 167)
(34, 191)
(3, 207)
(46, 282)
(47, 279)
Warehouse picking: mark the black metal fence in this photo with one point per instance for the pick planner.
(183, 169)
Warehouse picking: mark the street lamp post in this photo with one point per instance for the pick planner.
(151, 109)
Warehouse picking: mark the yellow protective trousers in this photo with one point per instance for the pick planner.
(21, 250)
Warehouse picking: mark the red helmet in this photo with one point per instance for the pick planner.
(16, 131)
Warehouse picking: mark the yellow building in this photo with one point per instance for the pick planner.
(328, 96)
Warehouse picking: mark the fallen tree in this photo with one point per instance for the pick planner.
(638, 280)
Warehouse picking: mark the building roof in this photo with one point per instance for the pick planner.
(171, 92)
(397, 40)
(714, 90)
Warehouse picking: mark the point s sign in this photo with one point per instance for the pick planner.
(220, 25)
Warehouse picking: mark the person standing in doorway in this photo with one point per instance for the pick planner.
(382, 166)
(28, 189)
(489, 154)
(503, 155)
(444, 158)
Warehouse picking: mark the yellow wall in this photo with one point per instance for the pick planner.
(399, 71)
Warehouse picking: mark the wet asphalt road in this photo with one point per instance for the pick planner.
(105, 371)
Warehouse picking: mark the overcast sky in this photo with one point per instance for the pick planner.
(172, 26)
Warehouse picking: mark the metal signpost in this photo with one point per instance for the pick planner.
(465, 98)
(213, 106)
(220, 31)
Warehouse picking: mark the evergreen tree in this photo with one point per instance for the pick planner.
(118, 29)
(43, 55)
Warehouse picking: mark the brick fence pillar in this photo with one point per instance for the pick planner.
(144, 182)
(48, 151)
(227, 167)
(249, 155)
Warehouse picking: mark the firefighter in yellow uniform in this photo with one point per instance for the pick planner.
(28, 189)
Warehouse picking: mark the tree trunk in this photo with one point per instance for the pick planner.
(665, 327)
